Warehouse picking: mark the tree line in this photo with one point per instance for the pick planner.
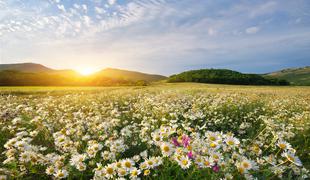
(224, 76)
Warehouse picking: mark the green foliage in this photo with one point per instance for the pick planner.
(224, 76)
(298, 76)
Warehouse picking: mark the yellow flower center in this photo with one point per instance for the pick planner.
(147, 172)
(127, 164)
(122, 172)
(282, 146)
(143, 166)
(246, 165)
(213, 145)
(215, 156)
(61, 174)
(166, 149)
(150, 163)
(118, 164)
(185, 162)
(109, 170)
(134, 173)
(230, 143)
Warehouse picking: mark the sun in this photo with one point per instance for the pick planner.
(85, 71)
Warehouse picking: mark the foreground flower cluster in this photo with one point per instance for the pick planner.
(156, 133)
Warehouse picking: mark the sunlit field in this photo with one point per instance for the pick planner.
(163, 131)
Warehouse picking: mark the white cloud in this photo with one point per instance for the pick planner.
(61, 7)
(252, 30)
(111, 2)
(145, 29)
(87, 20)
(99, 10)
(76, 6)
(84, 6)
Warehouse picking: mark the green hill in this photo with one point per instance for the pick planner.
(30, 74)
(25, 67)
(224, 76)
(296, 76)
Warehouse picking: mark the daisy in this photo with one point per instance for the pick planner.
(214, 145)
(212, 136)
(184, 162)
(136, 158)
(121, 172)
(61, 173)
(283, 145)
(150, 163)
(215, 156)
(246, 165)
(232, 141)
(25, 156)
(109, 171)
(143, 165)
(157, 137)
(146, 172)
(134, 173)
(208, 162)
(81, 166)
(50, 170)
(292, 158)
(128, 164)
(166, 149)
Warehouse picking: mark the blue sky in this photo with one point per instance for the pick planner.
(157, 36)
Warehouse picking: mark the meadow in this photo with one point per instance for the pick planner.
(161, 131)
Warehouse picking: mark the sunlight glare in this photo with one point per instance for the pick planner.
(85, 71)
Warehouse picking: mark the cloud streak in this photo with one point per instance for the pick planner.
(159, 36)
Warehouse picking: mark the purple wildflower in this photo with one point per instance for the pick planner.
(185, 140)
(175, 141)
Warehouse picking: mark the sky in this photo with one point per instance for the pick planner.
(157, 36)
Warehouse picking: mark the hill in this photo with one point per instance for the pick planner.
(296, 76)
(25, 67)
(224, 76)
(29, 74)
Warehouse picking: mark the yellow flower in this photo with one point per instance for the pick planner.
(146, 172)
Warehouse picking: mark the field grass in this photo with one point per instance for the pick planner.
(162, 131)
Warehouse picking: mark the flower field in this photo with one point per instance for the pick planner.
(176, 131)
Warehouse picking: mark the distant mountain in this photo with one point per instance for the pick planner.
(296, 76)
(25, 67)
(224, 76)
(30, 74)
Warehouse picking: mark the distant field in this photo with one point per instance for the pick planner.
(162, 131)
(197, 86)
